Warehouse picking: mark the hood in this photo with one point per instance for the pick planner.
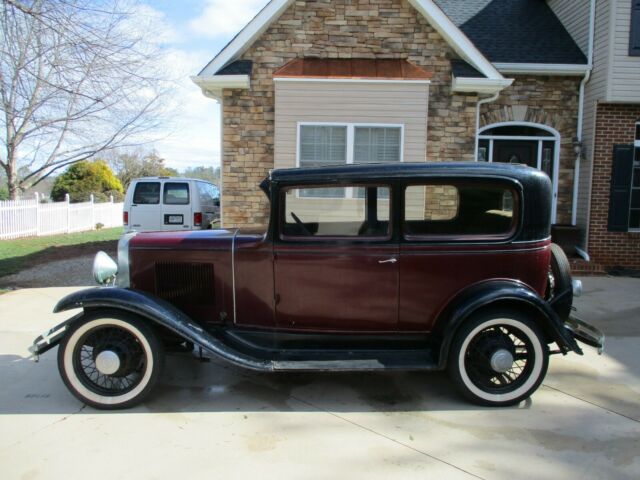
(185, 240)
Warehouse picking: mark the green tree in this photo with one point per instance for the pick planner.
(131, 165)
(85, 178)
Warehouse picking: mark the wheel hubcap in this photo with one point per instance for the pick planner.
(501, 360)
(108, 362)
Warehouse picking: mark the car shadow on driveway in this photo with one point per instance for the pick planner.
(188, 385)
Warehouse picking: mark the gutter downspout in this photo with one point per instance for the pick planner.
(479, 105)
(587, 76)
(218, 98)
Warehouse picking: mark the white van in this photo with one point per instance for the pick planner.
(169, 203)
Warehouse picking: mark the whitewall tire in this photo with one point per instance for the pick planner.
(498, 358)
(110, 359)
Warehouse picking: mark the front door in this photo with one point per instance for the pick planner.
(336, 266)
(512, 151)
(145, 212)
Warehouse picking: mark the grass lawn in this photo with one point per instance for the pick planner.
(18, 254)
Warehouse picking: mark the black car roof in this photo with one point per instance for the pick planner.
(522, 173)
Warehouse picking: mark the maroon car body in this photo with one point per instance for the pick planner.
(414, 266)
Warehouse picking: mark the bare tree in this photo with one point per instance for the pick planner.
(77, 77)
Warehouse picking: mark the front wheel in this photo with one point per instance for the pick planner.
(110, 359)
(498, 358)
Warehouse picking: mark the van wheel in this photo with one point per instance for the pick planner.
(110, 360)
(498, 358)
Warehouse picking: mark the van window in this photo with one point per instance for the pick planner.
(208, 193)
(147, 193)
(458, 211)
(176, 193)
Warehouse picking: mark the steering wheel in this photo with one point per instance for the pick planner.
(301, 224)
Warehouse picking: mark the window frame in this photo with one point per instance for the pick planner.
(634, 29)
(282, 207)
(150, 182)
(636, 152)
(351, 128)
(164, 194)
(518, 200)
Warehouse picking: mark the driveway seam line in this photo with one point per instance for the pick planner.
(592, 403)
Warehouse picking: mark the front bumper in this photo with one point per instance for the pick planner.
(585, 333)
(50, 338)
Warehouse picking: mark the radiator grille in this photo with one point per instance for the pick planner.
(185, 283)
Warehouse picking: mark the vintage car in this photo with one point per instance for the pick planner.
(435, 266)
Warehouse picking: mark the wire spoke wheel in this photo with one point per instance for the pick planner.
(129, 360)
(499, 338)
(498, 358)
(110, 359)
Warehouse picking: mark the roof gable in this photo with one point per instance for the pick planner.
(432, 13)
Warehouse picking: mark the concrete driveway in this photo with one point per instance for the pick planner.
(215, 421)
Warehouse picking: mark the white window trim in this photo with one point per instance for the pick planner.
(556, 156)
(351, 128)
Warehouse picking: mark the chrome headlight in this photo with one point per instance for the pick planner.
(104, 269)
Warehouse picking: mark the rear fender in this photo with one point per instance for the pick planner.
(149, 307)
(497, 293)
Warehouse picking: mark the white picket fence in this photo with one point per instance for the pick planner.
(29, 218)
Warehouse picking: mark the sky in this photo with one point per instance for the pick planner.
(194, 31)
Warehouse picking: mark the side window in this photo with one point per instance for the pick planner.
(147, 193)
(354, 211)
(460, 211)
(634, 30)
(176, 193)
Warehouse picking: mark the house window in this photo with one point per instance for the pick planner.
(624, 197)
(634, 30)
(634, 207)
(345, 144)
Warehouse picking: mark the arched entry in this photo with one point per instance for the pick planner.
(526, 143)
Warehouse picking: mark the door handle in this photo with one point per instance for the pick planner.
(388, 260)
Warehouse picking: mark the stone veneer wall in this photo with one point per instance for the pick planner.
(374, 29)
(615, 125)
(552, 101)
(334, 29)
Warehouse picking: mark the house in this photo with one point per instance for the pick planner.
(323, 82)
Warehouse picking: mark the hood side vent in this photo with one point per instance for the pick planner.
(185, 283)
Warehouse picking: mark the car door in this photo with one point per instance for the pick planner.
(176, 206)
(145, 211)
(336, 262)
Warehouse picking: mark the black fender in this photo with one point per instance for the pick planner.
(153, 309)
(500, 293)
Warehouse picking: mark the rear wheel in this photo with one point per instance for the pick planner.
(498, 358)
(110, 360)
(560, 281)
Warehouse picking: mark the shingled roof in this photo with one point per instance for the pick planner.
(514, 31)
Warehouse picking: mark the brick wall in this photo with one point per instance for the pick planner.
(615, 124)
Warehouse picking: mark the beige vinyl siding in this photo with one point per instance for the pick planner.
(398, 103)
(574, 15)
(624, 83)
(595, 91)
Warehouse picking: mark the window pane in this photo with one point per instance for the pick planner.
(322, 145)
(637, 131)
(458, 210)
(309, 212)
(377, 144)
(176, 193)
(483, 151)
(634, 219)
(147, 193)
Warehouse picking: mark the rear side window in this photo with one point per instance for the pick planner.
(176, 193)
(208, 193)
(147, 193)
(459, 212)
